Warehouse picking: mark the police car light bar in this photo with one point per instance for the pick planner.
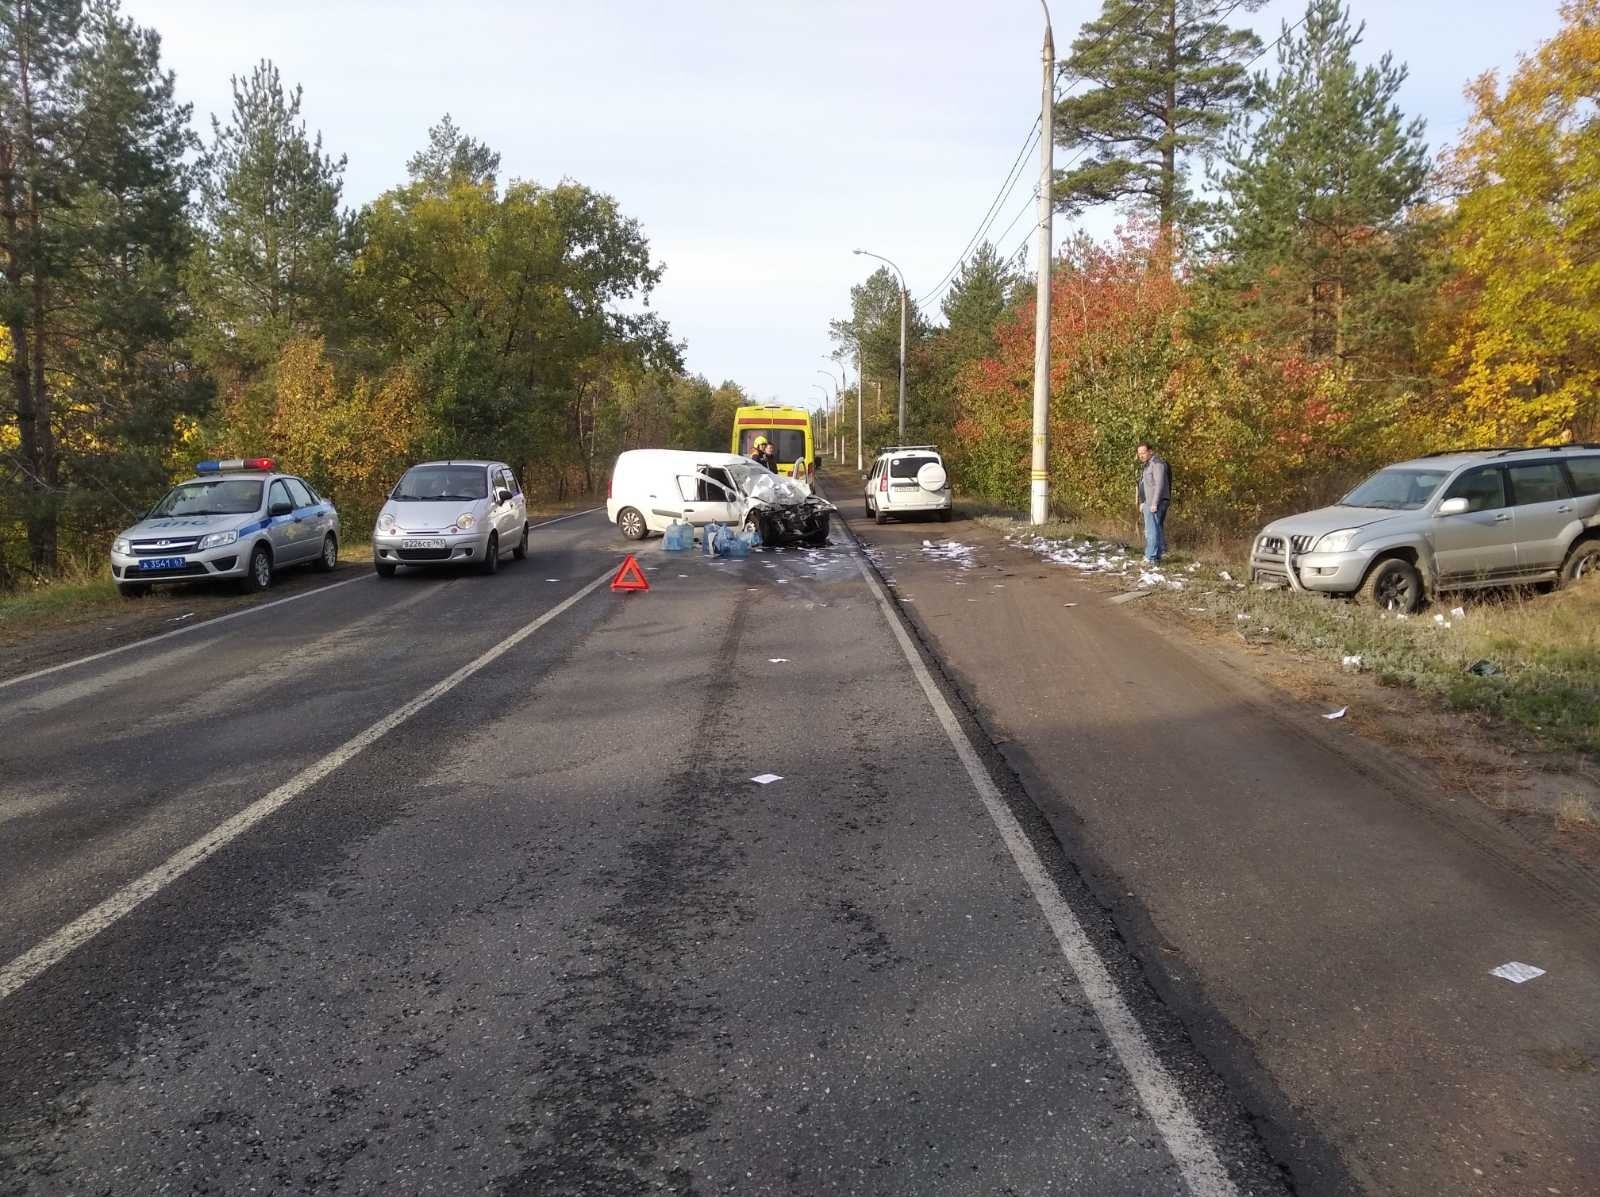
(233, 463)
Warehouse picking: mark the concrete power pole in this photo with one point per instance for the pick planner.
(861, 382)
(1039, 477)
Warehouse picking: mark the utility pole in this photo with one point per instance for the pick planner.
(904, 298)
(860, 383)
(1039, 477)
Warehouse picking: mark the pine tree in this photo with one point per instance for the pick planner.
(1321, 195)
(272, 252)
(1167, 77)
(451, 155)
(978, 297)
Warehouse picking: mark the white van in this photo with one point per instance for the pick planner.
(652, 487)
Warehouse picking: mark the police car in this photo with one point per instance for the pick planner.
(236, 519)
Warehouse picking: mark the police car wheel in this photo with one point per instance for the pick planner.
(330, 554)
(133, 592)
(259, 576)
(491, 556)
(521, 551)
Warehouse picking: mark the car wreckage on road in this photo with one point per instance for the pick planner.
(653, 488)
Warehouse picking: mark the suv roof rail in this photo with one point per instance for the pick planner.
(1481, 449)
(906, 448)
(1549, 448)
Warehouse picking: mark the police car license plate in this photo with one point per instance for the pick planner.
(161, 563)
(431, 542)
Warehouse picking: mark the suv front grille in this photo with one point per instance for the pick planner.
(1273, 545)
(1302, 544)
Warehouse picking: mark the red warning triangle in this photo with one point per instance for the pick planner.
(629, 577)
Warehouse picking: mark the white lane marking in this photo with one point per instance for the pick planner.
(1191, 1150)
(573, 516)
(86, 926)
(183, 631)
(211, 623)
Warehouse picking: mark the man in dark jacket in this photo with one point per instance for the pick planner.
(1155, 494)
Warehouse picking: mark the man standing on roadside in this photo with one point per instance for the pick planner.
(1155, 493)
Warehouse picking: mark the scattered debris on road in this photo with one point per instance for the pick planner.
(1339, 714)
(1485, 668)
(1353, 661)
(1517, 972)
(766, 779)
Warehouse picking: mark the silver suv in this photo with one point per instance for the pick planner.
(1448, 521)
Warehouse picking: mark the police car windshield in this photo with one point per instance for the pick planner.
(220, 496)
(434, 484)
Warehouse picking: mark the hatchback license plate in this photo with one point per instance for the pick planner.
(162, 563)
(432, 542)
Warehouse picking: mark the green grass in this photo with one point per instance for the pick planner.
(79, 592)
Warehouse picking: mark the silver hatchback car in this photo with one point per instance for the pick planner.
(451, 513)
(1449, 521)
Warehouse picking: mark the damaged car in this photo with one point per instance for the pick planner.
(782, 510)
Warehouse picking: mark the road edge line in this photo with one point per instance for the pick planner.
(1191, 1149)
(191, 627)
(60, 944)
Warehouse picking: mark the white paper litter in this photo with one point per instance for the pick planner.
(766, 779)
(1339, 714)
(1069, 604)
(777, 660)
(1352, 661)
(963, 555)
(552, 579)
(1458, 612)
(1225, 575)
(1517, 972)
(1243, 617)
(181, 618)
(1438, 619)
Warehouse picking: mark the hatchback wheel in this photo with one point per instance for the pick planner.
(1394, 585)
(384, 569)
(521, 551)
(1582, 564)
(491, 556)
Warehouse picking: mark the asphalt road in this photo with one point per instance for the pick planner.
(1323, 914)
(462, 884)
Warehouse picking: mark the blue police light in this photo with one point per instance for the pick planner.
(233, 463)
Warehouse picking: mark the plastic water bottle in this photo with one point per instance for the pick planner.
(713, 530)
(678, 536)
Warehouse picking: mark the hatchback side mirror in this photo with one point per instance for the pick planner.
(502, 495)
(1456, 506)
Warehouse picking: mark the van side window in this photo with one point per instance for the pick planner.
(709, 493)
(1484, 490)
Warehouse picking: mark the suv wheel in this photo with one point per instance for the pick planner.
(1394, 585)
(878, 517)
(1582, 564)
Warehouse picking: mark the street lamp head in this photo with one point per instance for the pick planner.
(858, 251)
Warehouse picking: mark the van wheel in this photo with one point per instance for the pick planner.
(491, 556)
(1582, 564)
(1394, 585)
(632, 524)
(520, 552)
(259, 576)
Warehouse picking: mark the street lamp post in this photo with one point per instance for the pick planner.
(901, 422)
(836, 446)
(1039, 476)
(861, 383)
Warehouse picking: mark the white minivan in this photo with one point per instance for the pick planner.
(652, 487)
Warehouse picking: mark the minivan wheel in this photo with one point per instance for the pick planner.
(521, 550)
(330, 554)
(259, 575)
(491, 556)
(1582, 564)
(1394, 585)
(632, 524)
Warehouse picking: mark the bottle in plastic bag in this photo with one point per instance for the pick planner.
(678, 536)
(713, 530)
(731, 545)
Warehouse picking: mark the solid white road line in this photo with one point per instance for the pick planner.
(89, 924)
(183, 631)
(1202, 1171)
(211, 623)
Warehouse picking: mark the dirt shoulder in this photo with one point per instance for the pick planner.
(1322, 901)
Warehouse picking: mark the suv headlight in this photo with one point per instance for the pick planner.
(122, 545)
(217, 539)
(1338, 542)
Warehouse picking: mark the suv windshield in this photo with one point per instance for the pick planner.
(230, 496)
(433, 484)
(1396, 489)
(907, 467)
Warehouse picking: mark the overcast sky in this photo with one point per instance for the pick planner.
(757, 142)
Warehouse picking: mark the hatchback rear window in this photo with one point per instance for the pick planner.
(907, 467)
